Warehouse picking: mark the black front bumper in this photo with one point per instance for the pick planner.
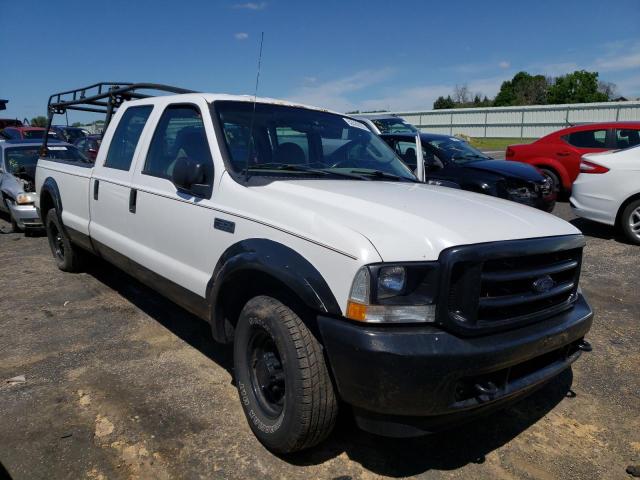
(410, 379)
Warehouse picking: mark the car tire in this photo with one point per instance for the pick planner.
(555, 180)
(68, 257)
(282, 379)
(631, 215)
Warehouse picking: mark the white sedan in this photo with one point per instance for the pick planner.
(608, 190)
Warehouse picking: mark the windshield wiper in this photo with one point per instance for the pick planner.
(301, 168)
(381, 174)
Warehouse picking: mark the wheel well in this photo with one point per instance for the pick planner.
(239, 289)
(632, 198)
(46, 204)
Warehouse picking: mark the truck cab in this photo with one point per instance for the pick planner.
(303, 239)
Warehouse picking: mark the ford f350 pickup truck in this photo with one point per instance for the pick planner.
(304, 240)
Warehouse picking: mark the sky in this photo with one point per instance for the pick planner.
(337, 54)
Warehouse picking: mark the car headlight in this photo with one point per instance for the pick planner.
(25, 199)
(521, 193)
(386, 293)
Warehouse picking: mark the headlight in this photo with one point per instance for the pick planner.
(25, 199)
(391, 281)
(521, 193)
(394, 293)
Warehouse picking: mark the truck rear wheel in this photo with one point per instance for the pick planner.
(282, 378)
(67, 256)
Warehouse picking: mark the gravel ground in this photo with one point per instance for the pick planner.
(121, 383)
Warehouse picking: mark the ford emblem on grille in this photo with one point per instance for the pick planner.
(543, 284)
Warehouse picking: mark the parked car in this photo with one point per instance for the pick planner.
(558, 154)
(304, 240)
(608, 190)
(18, 160)
(89, 146)
(69, 134)
(9, 122)
(386, 123)
(452, 159)
(27, 133)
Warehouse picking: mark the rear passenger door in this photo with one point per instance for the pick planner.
(172, 229)
(110, 188)
(578, 143)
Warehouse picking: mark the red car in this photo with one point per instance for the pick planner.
(558, 154)
(26, 133)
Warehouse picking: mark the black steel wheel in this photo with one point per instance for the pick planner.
(281, 376)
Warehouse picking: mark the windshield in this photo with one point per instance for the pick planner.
(301, 143)
(459, 151)
(19, 159)
(393, 125)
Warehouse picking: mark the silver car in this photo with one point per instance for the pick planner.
(18, 159)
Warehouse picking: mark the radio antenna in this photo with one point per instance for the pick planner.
(253, 113)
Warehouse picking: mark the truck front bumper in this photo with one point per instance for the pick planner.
(410, 380)
(25, 216)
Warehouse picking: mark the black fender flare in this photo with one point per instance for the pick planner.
(50, 187)
(278, 261)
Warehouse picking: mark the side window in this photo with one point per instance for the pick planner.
(179, 134)
(407, 152)
(588, 139)
(81, 144)
(293, 146)
(626, 137)
(125, 138)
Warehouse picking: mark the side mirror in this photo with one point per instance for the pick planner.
(188, 177)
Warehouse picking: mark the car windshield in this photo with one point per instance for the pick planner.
(295, 142)
(457, 150)
(19, 159)
(393, 125)
(73, 134)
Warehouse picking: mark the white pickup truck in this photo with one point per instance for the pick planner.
(302, 238)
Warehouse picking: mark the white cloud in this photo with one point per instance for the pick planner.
(618, 62)
(337, 94)
(334, 93)
(251, 6)
(241, 36)
(504, 64)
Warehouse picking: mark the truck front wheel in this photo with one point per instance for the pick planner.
(68, 258)
(282, 378)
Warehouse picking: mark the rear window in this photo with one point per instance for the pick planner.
(17, 158)
(588, 139)
(125, 138)
(33, 134)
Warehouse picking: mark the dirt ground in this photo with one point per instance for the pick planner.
(120, 383)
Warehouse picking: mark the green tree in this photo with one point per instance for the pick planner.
(442, 103)
(76, 124)
(39, 121)
(523, 89)
(577, 87)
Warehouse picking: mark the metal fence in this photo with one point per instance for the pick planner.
(519, 122)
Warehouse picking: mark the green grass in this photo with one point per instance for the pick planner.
(497, 143)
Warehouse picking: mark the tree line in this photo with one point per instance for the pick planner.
(580, 86)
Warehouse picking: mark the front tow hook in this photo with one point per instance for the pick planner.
(489, 389)
(585, 346)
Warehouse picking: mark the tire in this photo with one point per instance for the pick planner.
(555, 180)
(67, 256)
(282, 379)
(630, 216)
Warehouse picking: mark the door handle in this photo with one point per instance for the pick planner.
(563, 154)
(133, 196)
(96, 187)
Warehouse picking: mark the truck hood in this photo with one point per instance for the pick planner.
(405, 221)
(517, 170)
